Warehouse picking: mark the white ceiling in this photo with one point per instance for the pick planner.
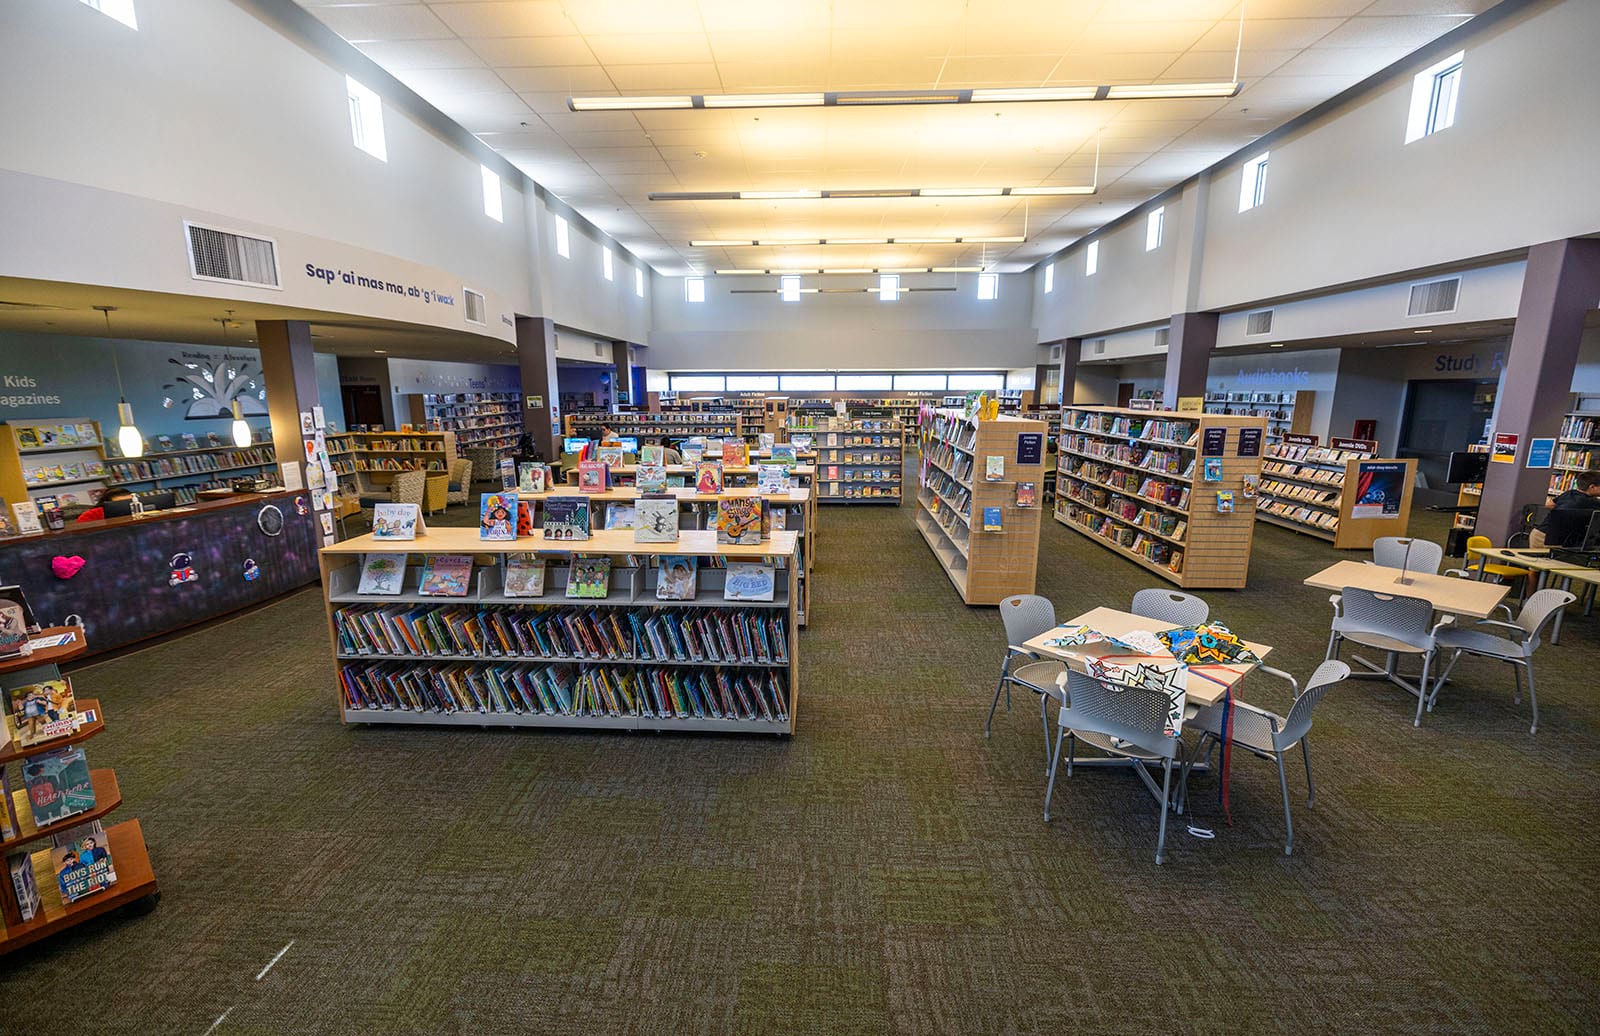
(504, 69)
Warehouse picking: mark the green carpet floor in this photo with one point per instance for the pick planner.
(887, 870)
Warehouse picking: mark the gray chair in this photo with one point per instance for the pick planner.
(1267, 735)
(1391, 623)
(1026, 616)
(1414, 555)
(1166, 605)
(1516, 646)
(1126, 721)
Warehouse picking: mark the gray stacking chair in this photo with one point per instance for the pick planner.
(1126, 721)
(1026, 616)
(1170, 606)
(1391, 623)
(1268, 735)
(1516, 645)
(1391, 552)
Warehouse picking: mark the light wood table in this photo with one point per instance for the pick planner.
(1447, 594)
(1549, 570)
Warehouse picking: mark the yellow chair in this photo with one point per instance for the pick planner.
(1477, 563)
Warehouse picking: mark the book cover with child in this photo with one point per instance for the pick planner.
(497, 516)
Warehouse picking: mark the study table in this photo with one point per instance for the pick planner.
(1548, 570)
(1447, 594)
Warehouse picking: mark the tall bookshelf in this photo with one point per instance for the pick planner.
(1578, 449)
(860, 460)
(986, 565)
(719, 424)
(369, 461)
(1286, 412)
(510, 678)
(479, 420)
(1134, 481)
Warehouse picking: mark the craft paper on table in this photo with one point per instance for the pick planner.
(748, 581)
(677, 579)
(382, 574)
(446, 575)
(655, 519)
(497, 516)
(524, 576)
(1211, 469)
(994, 469)
(589, 578)
(566, 518)
(397, 522)
(1380, 486)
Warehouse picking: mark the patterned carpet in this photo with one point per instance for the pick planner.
(885, 871)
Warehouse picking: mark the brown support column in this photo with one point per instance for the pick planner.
(1561, 285)
(536, 355)
(1071, 351)
(1193, 336)
(289, 368)
(621, 377)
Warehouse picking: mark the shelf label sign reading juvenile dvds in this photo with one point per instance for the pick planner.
(1296, 439)
(1504, 450)
(1030, 448)
(1541, 453)
(1213, 441)
(1380, 485)
(1249, 442)
(1358, 445)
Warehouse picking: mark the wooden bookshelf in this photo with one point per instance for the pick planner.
(1578, 448)
(32, 450)
(1314, 489)
(634, 573)
(1286, 413)
(985, 566)
(481, 420)
(713, 424)
(860, 460)
(1133, 480)
(368, 461)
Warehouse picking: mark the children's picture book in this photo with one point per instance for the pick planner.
(735, 453)
(20, 864)
(58, 784)
(749, 581)
(739, 519)
(524, 576)
(566, 518)
(656, 519)
(620, 515)
(524, 516)
(1211, 470)
(693, 451)
(80, 858)
(677, 581)
(190, 442)
(650, 478)
(43, 711)
(497, 516)
(772, 478)
(446, 575)
(593, 476)
(382, 574)
(165, 442)
(589, 578)
(397, 522)
(27, 438)
(801, 443)
(1249, 485)
(1027, 494)
(784, 453)
(652, 454)
(994, 469)
(766, 440)
(530, 478)
(708, 477)
(1225, 501)
(611, 456)
(27, 517)
(991, 520)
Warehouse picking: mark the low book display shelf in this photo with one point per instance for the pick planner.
(624, 661)
(1341, 492)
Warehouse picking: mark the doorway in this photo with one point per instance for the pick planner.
(1442, 417)
(363, 406)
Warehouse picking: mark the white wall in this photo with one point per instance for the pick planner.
(945, 329)
(573, 291)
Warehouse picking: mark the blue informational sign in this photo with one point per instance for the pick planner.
(1541, 453)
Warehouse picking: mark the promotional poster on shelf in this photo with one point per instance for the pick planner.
(1380, 486)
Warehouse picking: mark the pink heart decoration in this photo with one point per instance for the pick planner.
(66, 567)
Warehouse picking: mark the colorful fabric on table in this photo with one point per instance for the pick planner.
(1208, 644)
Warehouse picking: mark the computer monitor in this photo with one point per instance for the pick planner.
(1467, 467)
(572, 444)
(630, 443)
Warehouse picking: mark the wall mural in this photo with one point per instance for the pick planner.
(208, 390)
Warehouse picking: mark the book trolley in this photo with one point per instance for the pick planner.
(620, 687)
(135, 887)
(1135, 482)
(954, 496)
(1317, 490)
(860, 459)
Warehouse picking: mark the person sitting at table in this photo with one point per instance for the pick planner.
(1569, 516)
(116, 503)
(668, 454)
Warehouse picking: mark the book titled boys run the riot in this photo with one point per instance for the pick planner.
(708, 478)
(593, 476)
(81, 861)
(58, 785)
(656, 519)
(739, 520)
(397, 522)
(677, 580)
(446, 575)
(524, 576)
(566, 518)
(497, 516)
(382, 574)
(589, 578)
(43, 711)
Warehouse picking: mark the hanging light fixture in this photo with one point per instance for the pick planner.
(241, 430)
(128, 438)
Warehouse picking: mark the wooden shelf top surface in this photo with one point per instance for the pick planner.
(107, 797)
(700, 542)
(51, 655)
(135, 880)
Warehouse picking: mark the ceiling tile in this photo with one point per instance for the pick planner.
(599, 17)
(1212, 66)
(695, 78)
(1342, 61)
(384, 22)
(559, 79)
(1008, 70)
(1410, 32)
(534, 50)
(507, 18)
(1268, 34)
(755, 47)
(1094, 69)
(403, 55)
(440, 82)
(1139, 37)
(645, 49)
(769, 76)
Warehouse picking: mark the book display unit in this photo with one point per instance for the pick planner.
(859, 460)
(1578, 449)
(1171, 492)
(1341, 492)
(973, 503)
(1285, 412)
(48, 912)
(160, 469)
(483, 420)
(717, 424)
(720, 657)
(57, 462)
(370, 460)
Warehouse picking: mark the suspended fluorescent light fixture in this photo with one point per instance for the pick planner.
(763, 100)
(880, 193)
(777, 195)
(874, 98)
(812, 241)
(616, 104)
(961, 192)
(1174, 91)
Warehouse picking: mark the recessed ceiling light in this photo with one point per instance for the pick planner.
(1423, 331)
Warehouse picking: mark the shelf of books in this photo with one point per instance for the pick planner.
(1165, 490)
(1578, 449)
(674, 426)
(1285, 412)
(983, 529)
(63, 863)
(1342, 492)
(860, 459)
(568, 627)
(161, 467)
(368, 461)
(485, 420)
(57, 462)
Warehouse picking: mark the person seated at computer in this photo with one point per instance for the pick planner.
(1569, 516)
(115, 503)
